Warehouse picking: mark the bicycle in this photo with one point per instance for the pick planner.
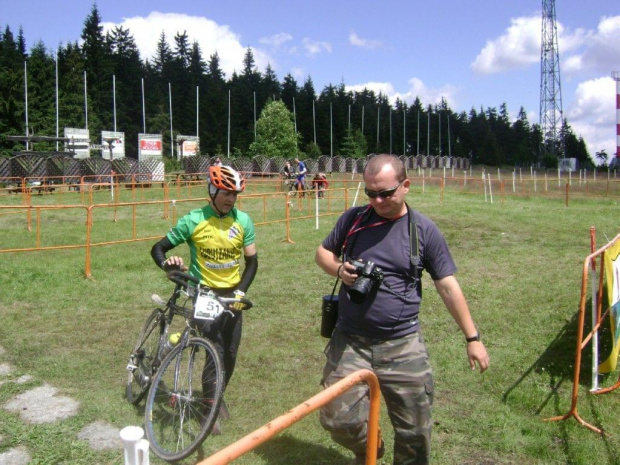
(184, 394)
(294, 188)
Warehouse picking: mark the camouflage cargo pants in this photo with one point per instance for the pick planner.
(406, 381)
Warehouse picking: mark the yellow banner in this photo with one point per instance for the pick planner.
(612, 275)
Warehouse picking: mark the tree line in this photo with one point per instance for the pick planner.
(334, 121)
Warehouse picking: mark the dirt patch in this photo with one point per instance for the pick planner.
(14, 457)
(101, 436)
(5, 369)
(41, 405)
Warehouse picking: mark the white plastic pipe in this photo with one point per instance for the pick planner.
(136, 448)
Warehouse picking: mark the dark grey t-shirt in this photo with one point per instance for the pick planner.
(391, 310)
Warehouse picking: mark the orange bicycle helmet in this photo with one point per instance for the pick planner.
(226, 178)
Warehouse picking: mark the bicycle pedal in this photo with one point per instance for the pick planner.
(131, 367)
(158, 300)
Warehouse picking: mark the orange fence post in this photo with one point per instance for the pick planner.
(266, 432)
(89, 224)
(582, 341)
(287, 219)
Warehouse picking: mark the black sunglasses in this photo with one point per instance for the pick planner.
(384, 194)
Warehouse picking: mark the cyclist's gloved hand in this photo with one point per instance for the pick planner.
(237, 305)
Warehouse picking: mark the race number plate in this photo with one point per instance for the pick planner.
(207, 307)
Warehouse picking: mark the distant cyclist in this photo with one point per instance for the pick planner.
(217, 235)
(300, 182)
(287, 171)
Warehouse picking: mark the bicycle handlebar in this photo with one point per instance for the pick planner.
(182, 279)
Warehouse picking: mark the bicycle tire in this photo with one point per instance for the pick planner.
(184, 399)
(143, 356)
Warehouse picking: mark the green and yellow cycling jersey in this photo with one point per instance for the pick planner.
(216, 244)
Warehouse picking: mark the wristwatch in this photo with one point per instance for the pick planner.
(473, 338)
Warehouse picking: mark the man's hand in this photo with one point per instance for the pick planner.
(174, 262)
(477, 353)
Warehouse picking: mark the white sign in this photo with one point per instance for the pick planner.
(149, 146)
(79, 142)
(118, 144)
(188, 145)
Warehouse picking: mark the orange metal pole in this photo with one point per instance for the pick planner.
(287, 220)
(266, 432)
(38, 228)
(581, 342)
(89, 224)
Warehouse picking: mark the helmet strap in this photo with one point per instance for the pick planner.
(213, 194)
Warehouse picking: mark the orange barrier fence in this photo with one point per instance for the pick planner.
(583, 341)
(58, 229)
(268, 431)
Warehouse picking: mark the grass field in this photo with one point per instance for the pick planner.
(520, 266)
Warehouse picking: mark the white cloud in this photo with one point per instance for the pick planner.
(357, 41)
(211, 37)
(602, 47)
(277, 40)
(299, 75)
(427, 95)
(593, 115)
(519, 46)
(316, 47)
(579, 50)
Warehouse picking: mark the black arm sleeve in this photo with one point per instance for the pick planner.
(158, 251)
(251, 265)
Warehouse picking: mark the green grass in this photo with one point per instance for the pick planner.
(520, 266)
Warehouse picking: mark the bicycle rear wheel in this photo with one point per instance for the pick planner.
(184, 399)
(141, 360)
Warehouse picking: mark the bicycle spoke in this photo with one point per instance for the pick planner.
(184, 400)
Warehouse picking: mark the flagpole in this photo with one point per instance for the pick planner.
(404, 131)
(314, 121)
(197, 106)
(26, 98)
(378, 114)
(390, 130)
(56, 75)
(171, 136)
(114, 99)
(143, 110)
(228, 147)
(418, 137)
(85, 102)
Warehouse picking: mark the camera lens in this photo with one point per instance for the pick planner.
(360, 289)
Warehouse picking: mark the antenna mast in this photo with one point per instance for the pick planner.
(550, 89)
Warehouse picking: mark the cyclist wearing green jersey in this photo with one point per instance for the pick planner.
(217, 235)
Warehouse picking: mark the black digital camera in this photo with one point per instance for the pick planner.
(368, 276)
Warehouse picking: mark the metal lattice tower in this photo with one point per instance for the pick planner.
(550, 88)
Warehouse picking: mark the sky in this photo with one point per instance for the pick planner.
(475, 54)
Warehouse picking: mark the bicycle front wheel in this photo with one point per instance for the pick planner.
(141, 360)
(184, 399)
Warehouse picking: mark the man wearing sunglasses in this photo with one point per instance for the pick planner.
(380, 331)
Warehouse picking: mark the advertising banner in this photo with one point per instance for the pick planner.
(79, 143)
(612, 275)
(118, 144)
(188, 146)
(149, 146)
